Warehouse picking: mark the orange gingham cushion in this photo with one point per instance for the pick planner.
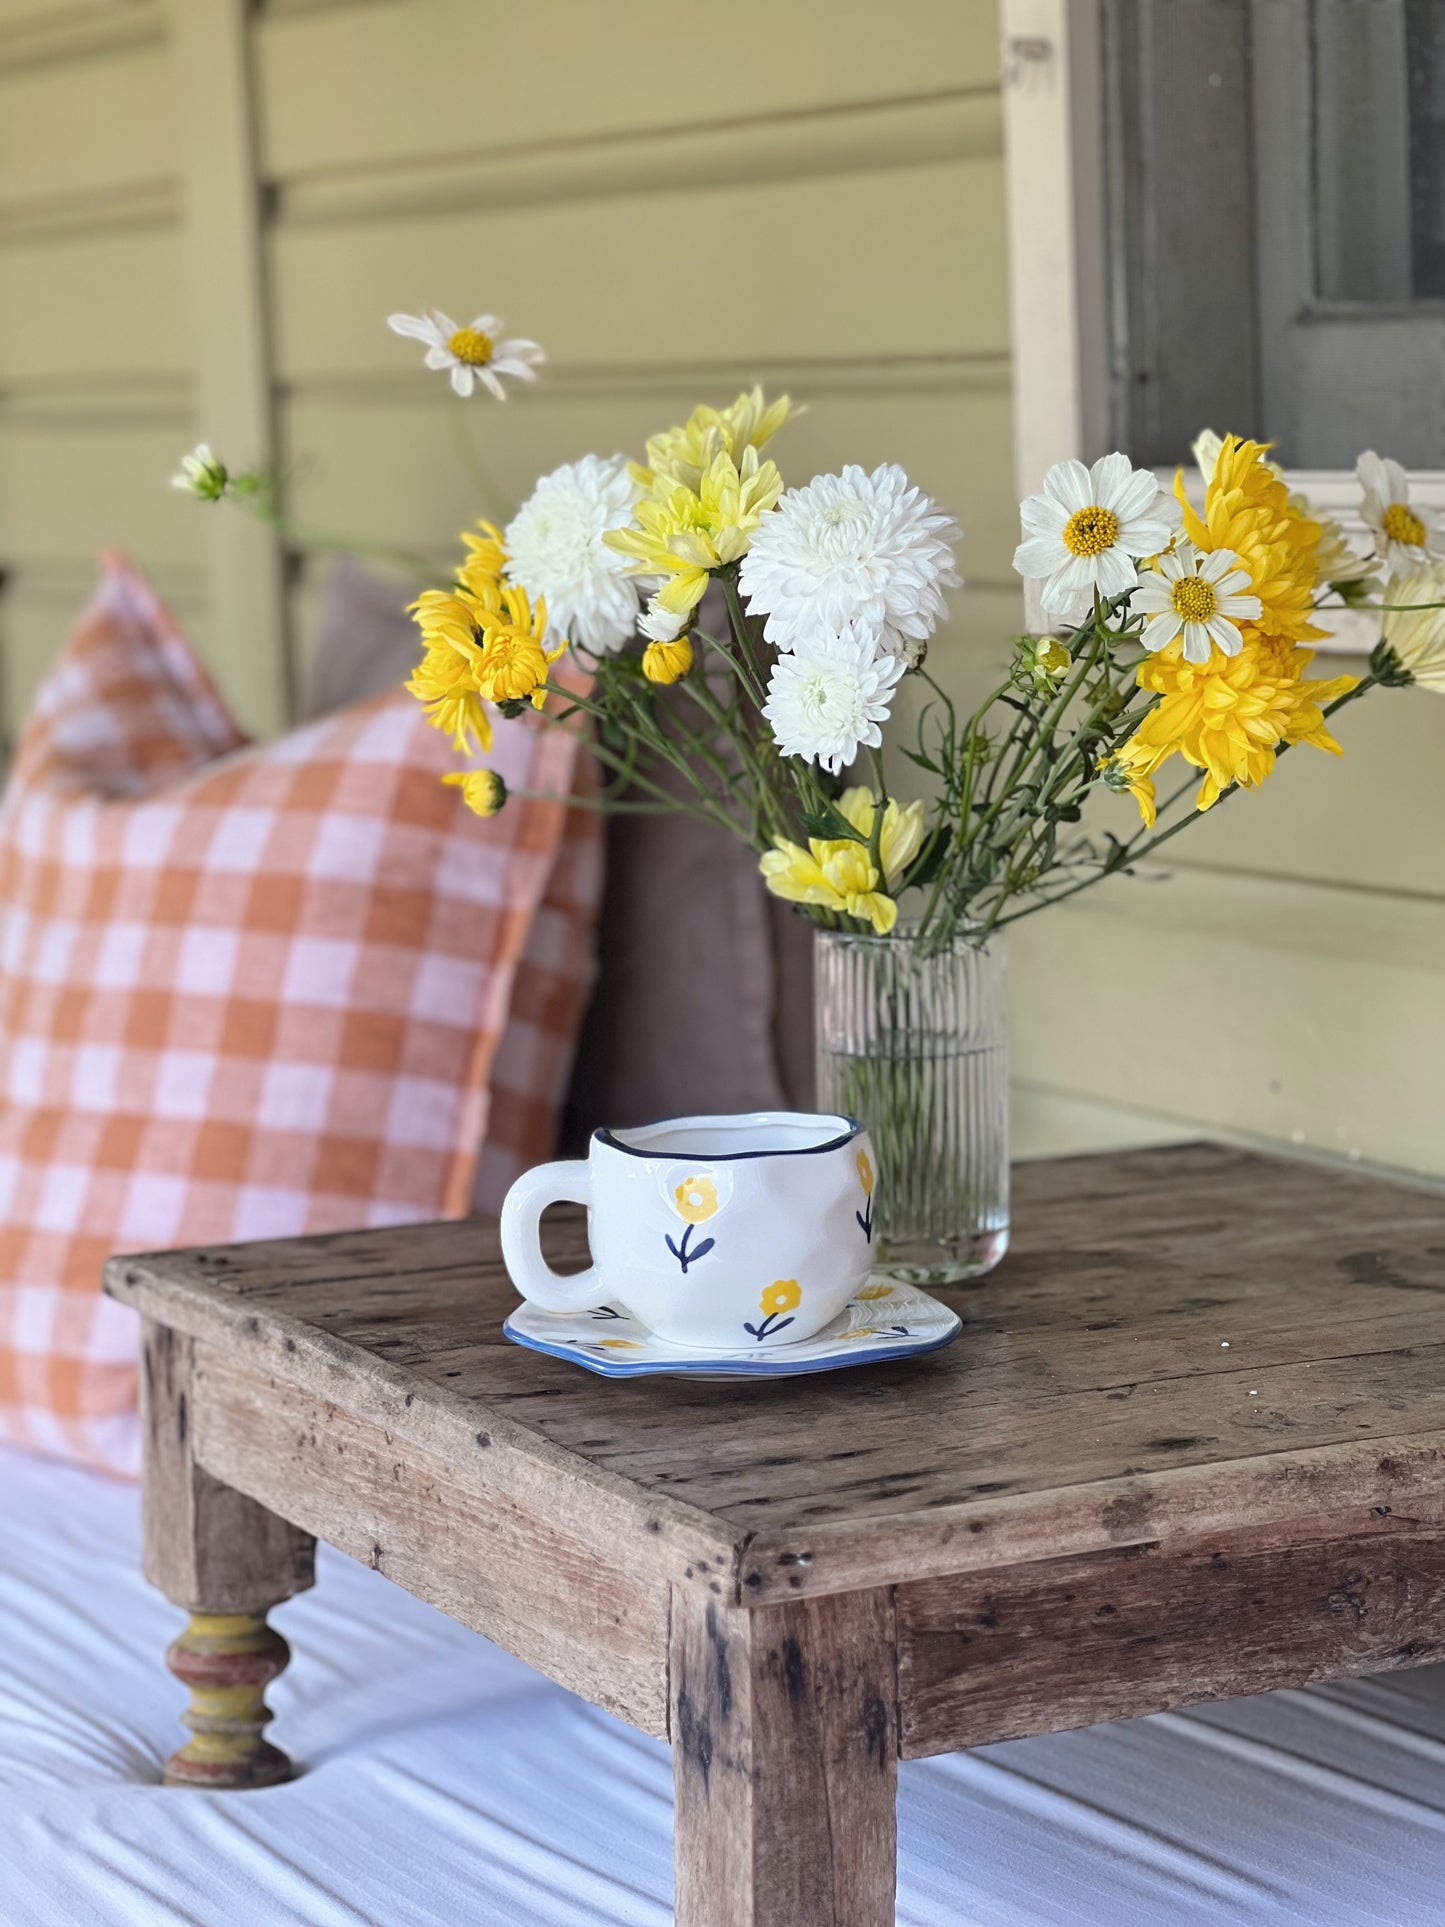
(253, 991)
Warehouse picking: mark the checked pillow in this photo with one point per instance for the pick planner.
(253, 991)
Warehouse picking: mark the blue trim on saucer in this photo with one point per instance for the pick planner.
(614, 1143)
(733, 1364)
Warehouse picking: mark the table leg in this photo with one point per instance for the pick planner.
(226, 1560)
(785, 1761)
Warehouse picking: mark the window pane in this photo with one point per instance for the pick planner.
(1379, 149)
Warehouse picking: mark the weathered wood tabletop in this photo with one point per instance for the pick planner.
(1190, 1442)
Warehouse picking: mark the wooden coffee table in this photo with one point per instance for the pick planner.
(1190, 1443)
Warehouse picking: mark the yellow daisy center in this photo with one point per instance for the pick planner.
(1401, 525)
(472, 346)
(1194, 600)
(1090, 531)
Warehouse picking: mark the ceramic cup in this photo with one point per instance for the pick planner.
(723, 1233)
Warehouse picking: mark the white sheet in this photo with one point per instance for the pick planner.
(447, 1785)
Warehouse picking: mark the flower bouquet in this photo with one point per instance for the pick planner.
(1181, 634)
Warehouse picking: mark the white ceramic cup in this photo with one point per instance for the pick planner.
(721, 1233)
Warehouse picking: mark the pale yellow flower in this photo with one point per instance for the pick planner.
(834, 876)
(902, 835)
(683, 534)
(667, 662)
(685, 454)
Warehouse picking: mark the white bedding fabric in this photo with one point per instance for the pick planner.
(448, 1785)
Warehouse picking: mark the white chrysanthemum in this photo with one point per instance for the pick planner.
(827, 704)
(866, 553)
(1197, 596)
(472, 353)
(1405, 537)
(555, 549)
(1087, 530)
(663, 625)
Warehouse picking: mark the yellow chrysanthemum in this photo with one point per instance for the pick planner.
(684, 455)
(1247, 508)
(444, 683)
(902, 833)
(483, 790)
(446, 620)
(834, 876)
(684, 533)
(667, 662)
(486, 558)
(512, 665)
(1125, 771)
(1230, 716)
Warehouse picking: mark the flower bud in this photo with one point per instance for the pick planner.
(483, 790)
(667, 662)
(201, 475)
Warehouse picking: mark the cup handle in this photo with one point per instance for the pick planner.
(569, 1181)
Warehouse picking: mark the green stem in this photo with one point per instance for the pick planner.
(473, 467)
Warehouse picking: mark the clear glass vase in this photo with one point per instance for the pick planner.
(916, 1045)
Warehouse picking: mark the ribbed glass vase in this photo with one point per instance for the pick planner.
(916, 1045)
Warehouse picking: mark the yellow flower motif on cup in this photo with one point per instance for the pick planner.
(785, 1295)
(865, 1172)
(696, 1200)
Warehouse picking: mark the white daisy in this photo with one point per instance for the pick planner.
(1198, 596)
(1404, 537)
(1085, 532)
(866, 553)
(473, 353)
(663, 625)
(1413, 631)
(828, 704)
(555, 549)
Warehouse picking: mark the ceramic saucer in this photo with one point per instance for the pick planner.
(884, 1321)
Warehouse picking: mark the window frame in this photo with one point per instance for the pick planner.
(1059, 265)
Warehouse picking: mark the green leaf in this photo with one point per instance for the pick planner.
(831, 826)
(923, 762)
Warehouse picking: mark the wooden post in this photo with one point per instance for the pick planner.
(226, 1560)
(785, 1761)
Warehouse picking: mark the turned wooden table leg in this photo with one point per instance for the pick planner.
(785, 1762)
(226, 1561)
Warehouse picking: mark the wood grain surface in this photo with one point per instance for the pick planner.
(785, 1762)
(1182, 1341)
(987, 1656)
